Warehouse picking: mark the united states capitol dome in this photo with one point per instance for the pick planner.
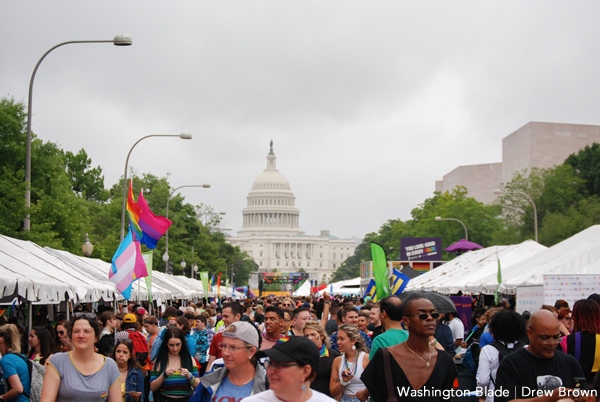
(271, 203)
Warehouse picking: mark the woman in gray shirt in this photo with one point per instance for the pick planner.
(81, 375)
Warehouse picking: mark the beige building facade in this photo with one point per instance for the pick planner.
(535, 145)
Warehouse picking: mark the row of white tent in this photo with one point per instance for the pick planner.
(49, 276)
(523, 264)
(345, 287)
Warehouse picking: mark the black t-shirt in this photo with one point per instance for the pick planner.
(377, 331)
(441, 379)
(321, 383)
(521, 374)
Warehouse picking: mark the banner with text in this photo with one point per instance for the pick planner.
(529, 298)
(421, 248)
(569, 287)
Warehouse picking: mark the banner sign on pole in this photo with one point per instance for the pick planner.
(421, 249)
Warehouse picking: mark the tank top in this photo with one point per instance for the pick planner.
(355, 383)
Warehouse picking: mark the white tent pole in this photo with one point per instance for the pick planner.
(68, 311)
(30, 319)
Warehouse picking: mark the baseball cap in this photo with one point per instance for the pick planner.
(129, 318)
(305, 305)
(293, 349)
(243, 331)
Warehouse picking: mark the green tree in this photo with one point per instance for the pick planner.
(86, 181)
(586, 164)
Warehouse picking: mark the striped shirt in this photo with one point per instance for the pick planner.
(175, 384)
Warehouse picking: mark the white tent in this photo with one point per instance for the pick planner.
(471, 267)
(304, 289)
(345, 287)
(579, 254)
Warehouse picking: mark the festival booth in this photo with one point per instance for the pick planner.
(569, 270)
(453, 276)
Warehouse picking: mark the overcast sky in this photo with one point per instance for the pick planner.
(368, 103)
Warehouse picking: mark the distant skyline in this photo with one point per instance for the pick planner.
(368, 104)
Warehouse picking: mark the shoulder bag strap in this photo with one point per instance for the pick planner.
(387, 369)
(577, 345)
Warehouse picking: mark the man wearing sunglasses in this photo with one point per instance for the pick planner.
(537, 371)
(391, 319)
(413, 367)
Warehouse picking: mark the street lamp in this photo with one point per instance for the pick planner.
(194, 271)
(87, 247)
(535, 223)
(439, 218)
(166, 255)
(119, 40)
(183, 136)
(183, 265)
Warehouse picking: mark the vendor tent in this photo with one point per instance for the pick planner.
(304, 289)
(453, 276)
(579, 254)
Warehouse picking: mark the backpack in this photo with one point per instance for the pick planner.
(504, 351)
(471, 359)
(140, 347)
(36, 374)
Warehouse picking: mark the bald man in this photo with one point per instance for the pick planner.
(538, 372)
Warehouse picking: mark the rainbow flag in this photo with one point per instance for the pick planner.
(399, 281)
(133, 212)
(219, 285)
(127, 265)
(152, 226)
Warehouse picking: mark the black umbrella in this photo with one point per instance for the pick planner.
(441, 302)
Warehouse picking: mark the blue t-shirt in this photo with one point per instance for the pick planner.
(227, 392)
(12, 365)
(486, 339)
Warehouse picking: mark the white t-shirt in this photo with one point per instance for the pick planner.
(457, 327)
(269, 396)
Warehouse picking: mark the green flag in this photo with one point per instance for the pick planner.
(204, 278)
(148, 260)
(497, 295)
(380, 271)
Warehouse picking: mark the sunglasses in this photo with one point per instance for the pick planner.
(89, 316)
(424, 316)
(60, 332)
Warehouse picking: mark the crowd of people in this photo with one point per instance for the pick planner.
(304, 349)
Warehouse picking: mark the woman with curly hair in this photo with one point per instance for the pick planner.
(132, 377)
(347, 369)
(586, 335)
(41, 344)
(508, 328)
(314, 331)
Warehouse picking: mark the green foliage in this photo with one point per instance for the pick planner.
(68, 199)
(586, 164)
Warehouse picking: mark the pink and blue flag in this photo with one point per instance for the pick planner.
(127, 265)
(152, 226)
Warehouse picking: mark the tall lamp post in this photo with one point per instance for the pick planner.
(528, 197)
(119, 40)
(183, 265)
(87, 247)
(166, 254)
(183, 136)
(439, 218)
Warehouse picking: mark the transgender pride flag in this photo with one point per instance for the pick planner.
(127, 266)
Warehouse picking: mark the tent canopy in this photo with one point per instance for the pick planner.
(471, 267)
(579, 254)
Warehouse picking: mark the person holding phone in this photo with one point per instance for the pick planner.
(347, 369)
(175, 375)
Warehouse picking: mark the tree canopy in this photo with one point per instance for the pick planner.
(68, 199)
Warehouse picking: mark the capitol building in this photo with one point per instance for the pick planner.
(271, 233)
